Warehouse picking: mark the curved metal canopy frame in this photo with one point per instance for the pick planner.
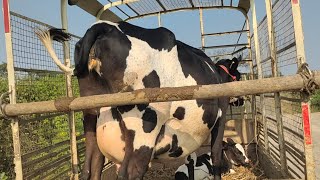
(145, 8)
(159, 8)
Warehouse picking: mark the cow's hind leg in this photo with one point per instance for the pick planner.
(138, 151)
(139, 161)
(216, 146)
(94, 159)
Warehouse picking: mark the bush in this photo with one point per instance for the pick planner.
(315, 101)
(3, 176)
(33, 87)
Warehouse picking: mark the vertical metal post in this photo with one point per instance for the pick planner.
(72, 127)
(244, 117)
(159, 20)
(253, 97)
(259, 67)
(305, 105)
(12, 89)
(201, 28)
(275, 73)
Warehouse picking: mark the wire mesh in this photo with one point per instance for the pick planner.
(45, 138)
(284, 35)
(6, 145)
(169, 5)
(290, 101)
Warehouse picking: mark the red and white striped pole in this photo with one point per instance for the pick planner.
(305, 105)
(12, 90)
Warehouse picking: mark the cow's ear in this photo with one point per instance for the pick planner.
(234, 64)
(230, 141)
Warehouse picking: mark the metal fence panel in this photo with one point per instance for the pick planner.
(290, 101)
(45, 143)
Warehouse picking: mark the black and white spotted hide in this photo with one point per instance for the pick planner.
(201, 166)
(121, 57)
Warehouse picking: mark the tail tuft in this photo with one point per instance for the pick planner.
(59, 35)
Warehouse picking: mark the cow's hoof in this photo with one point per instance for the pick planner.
(85, 175)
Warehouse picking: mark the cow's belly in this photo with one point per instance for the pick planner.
(189, 137)
(109, 136)
(191, 131)
(109, 141)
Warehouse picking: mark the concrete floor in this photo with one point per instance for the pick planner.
(315, 123)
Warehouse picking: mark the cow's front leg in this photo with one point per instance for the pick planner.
(94, 159)
(216, 146)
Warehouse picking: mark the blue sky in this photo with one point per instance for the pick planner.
(184, 24)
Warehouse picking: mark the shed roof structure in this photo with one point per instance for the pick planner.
(140, 8)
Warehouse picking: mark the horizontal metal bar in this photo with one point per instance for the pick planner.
(45, 157)
(285, 98)
(55, 164)
(225, 33)
(149, 95)
(46, 149)
(225, 46)
(37, 71)
(286, 48)
(220, 55)
(39, 118)
(58, 175)
(239, 50)
(278, 52)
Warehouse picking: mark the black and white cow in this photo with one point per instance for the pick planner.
(119, 57)
(199, 168)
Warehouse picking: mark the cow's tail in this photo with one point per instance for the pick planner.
(46, 37)
(84, 45)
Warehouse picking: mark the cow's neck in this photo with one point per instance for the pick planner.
(225, 76)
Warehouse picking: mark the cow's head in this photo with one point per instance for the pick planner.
(228, 69)
(235, 152)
